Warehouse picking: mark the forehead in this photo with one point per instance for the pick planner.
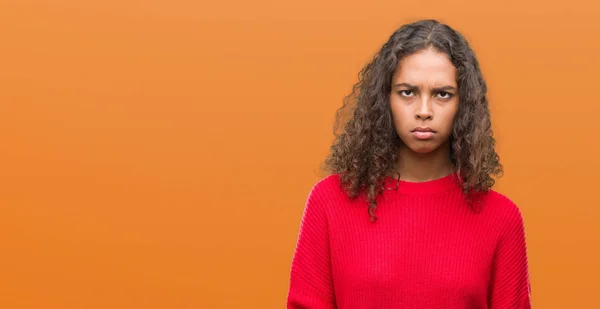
(426, 67)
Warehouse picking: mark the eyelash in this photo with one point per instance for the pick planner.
(449, 95)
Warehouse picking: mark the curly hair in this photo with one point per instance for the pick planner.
(366, 149)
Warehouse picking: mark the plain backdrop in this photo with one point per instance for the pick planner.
(158, 154)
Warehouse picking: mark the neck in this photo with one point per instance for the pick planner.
(416, 167)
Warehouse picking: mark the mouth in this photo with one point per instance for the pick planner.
(423, 133)
(420, 129)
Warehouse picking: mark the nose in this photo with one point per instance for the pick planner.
(424, 111)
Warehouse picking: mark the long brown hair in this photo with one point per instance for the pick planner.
(366, 148)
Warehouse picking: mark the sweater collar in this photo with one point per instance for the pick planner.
(446, 183)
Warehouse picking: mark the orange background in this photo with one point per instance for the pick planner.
(158, 154)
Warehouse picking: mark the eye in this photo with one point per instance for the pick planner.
(445, 95)
(405, 93)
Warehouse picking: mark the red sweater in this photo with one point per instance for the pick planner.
(428, 250)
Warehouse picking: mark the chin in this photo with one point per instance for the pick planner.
(422, 148)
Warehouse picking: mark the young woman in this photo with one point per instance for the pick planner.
(407, 218)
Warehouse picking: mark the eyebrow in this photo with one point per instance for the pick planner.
(413, 87)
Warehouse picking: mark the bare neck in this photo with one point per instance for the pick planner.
(417, 167)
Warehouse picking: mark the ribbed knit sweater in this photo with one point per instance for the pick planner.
(428, 249)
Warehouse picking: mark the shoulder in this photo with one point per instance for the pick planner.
(318, 201)
(504, 210)
(328, 195)
(500, 201)
(327, 186)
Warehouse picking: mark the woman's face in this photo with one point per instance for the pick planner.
(424, 100)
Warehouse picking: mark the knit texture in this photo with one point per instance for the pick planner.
(428, 250)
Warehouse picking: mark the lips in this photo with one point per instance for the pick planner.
(419, 129)
(423, 133)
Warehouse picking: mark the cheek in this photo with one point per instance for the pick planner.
(448, 119)
(400, 115)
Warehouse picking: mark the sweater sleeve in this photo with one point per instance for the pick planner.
(510, 285)
(311, 285)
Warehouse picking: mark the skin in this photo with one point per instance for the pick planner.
(424, 95)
